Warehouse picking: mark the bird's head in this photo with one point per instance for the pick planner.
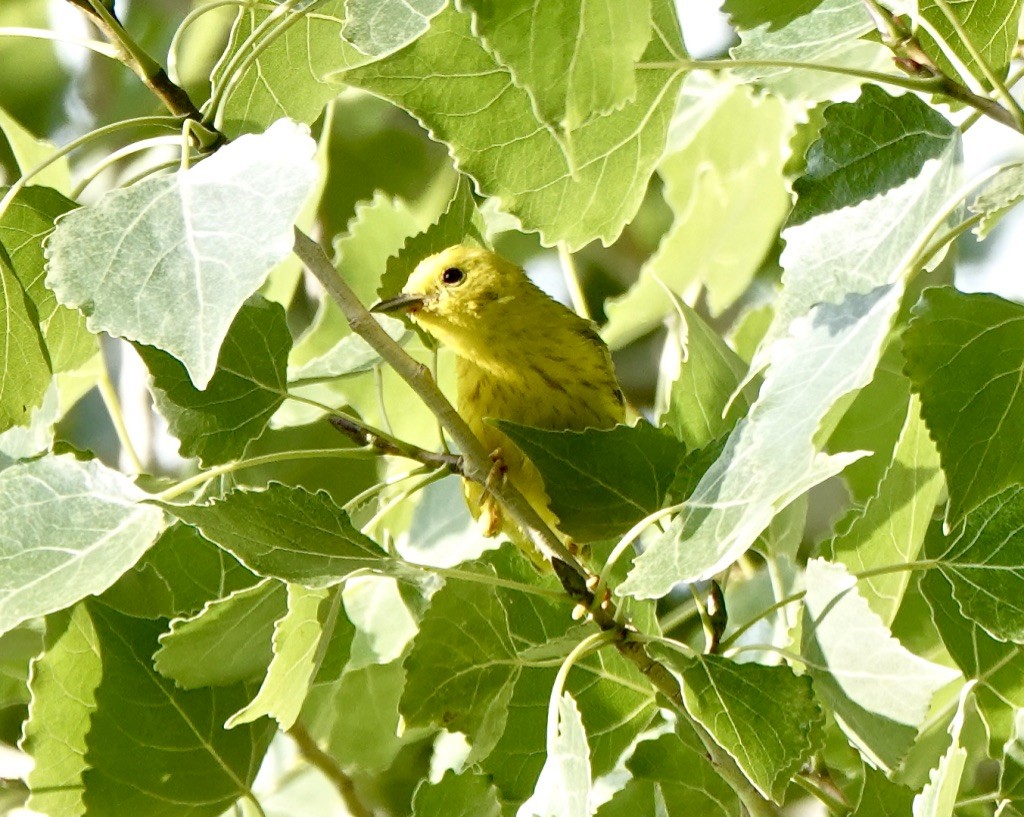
(458, 292)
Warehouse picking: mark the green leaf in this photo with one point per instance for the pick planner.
(1011, 778)
(292, 72)
(709, 373)
(991, 26)
(601, 481)
(729, 196)
(965, 356)
(285, 532)
(892, 526)
(738, 705)
(878, 691)
(228, 641)
(357, 717)
(462, 669)
(296, 642)
(939, 797)
(29, 151)
(461, 223)
(996, 667)
(564, 786)
(470, 669)
(465, 795)
(677, 777)
(173, 240)
(850, 163)
(468, 100)
(378, 28)
(26, 372)
(70, 530)
(246, 389)
(576, 60)
(824, 31)
(142, 746)
(997, 198)
(982, 558)
(24, 226)
(63, 686)
(177, 576)
(832, 320)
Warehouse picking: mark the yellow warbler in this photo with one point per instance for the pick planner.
(521, 356)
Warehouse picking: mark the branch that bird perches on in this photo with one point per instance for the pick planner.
(475, 465)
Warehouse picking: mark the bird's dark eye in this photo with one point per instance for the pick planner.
(452, 275)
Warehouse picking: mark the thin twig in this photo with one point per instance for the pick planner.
(362, 435)
(330, 769)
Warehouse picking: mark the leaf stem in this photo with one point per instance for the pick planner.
(572, 281)
(117, 155)
(104, 49)
(331, 769)
(592, 642)
(113, 405)
(203, 477)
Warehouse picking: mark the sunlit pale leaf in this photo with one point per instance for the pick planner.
(563, 788)
(228, 641)
(378, 27)
(832, 319)
(998, 198)
(28, 151)
(297, 637)
(467, 100)
(70, 529)
(878, 691)
(770, 458)
(285, 532)
(728, 194)
(891, 528)
(825, 32)
(939, 797)
(169, 261)
(575, 59)
(965, 356)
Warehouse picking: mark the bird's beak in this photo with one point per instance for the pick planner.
(404, 302)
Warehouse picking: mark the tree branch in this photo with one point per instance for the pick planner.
(318, 758)
(174, 97)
